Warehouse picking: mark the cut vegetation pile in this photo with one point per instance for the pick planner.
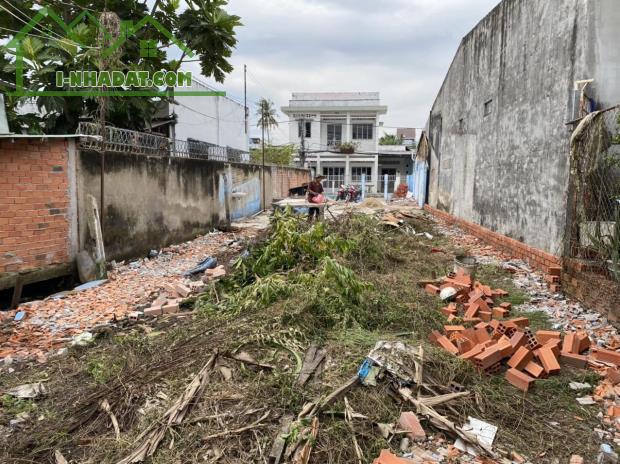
(263, 351)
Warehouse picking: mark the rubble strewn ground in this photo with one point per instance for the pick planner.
(319, 300)
(49, 325)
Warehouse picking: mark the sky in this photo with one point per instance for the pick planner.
(400, 48)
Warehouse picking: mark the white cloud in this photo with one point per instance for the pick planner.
(401, 48)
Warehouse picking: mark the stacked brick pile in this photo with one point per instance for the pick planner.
(493, 342)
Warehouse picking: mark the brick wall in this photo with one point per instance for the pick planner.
(34, 203)
(592, 286)
(285, 178)
(536, 258)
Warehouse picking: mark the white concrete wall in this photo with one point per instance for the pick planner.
(217, 120)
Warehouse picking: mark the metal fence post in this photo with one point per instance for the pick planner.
(385, 187)
(363, 187)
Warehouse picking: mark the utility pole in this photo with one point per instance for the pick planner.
(263, 166)
(110, 24)
(302, 151)
(245, 95)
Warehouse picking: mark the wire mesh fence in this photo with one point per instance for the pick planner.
(593, 232)
(141, 143)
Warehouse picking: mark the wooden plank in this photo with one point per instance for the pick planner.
(8, 279)
(17, 292)
(279, 443)
(313, 358)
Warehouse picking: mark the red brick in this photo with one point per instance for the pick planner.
(544, 336)
(488, 358)
(518, 340)
(608, 356)
(453, 328)
(521, 322)
(447, 345)
(475, 351)
(500, 313)
(548, 360)
(519, 379)
(613, 375)
(432, 289)
(575, 360)
(410, 423)
(570, 345)
(153, 311)
(584, 341)
(555, 270)
(521, 358)
(535, 370)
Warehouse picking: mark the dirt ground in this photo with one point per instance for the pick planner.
(356, 287)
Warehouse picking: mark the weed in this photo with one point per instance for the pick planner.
(14, 406)
(102, 371)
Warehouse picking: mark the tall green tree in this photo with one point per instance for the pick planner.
(204, 26)
(267, 116)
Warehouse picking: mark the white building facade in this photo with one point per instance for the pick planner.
(321, 123)
(214, 120)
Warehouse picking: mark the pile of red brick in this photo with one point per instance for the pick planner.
(492, 341)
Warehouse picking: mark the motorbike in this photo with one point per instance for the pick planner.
(348, 193)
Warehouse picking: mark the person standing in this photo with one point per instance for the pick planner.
(315, 195)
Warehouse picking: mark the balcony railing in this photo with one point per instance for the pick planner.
(140, 143)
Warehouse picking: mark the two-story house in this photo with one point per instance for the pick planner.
(323, 124)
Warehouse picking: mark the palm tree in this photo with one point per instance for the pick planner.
(266, 113)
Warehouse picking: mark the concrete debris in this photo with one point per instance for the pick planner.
(579, 386)
(607, 455)
(89, 285)
(447, 294)
(484, 431)
(27, 391)
(586, 401)
(83, 339)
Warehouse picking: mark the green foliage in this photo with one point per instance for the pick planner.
(103, 370)
(205, 26)
(348, 147)
(291, 243)
(280, 155)
(208, 29)
(390, 139)
(14, 406)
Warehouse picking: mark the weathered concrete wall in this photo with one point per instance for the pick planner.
(37, 213)
(500, 146)
(151, 202)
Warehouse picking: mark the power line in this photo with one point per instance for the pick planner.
(85, 8)
(45, 37)
(26, 22)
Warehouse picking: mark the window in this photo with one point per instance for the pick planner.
(308, 129)
(334, 134)
(333, 173)
(362, 131)
(357, 172)
(488, 107)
